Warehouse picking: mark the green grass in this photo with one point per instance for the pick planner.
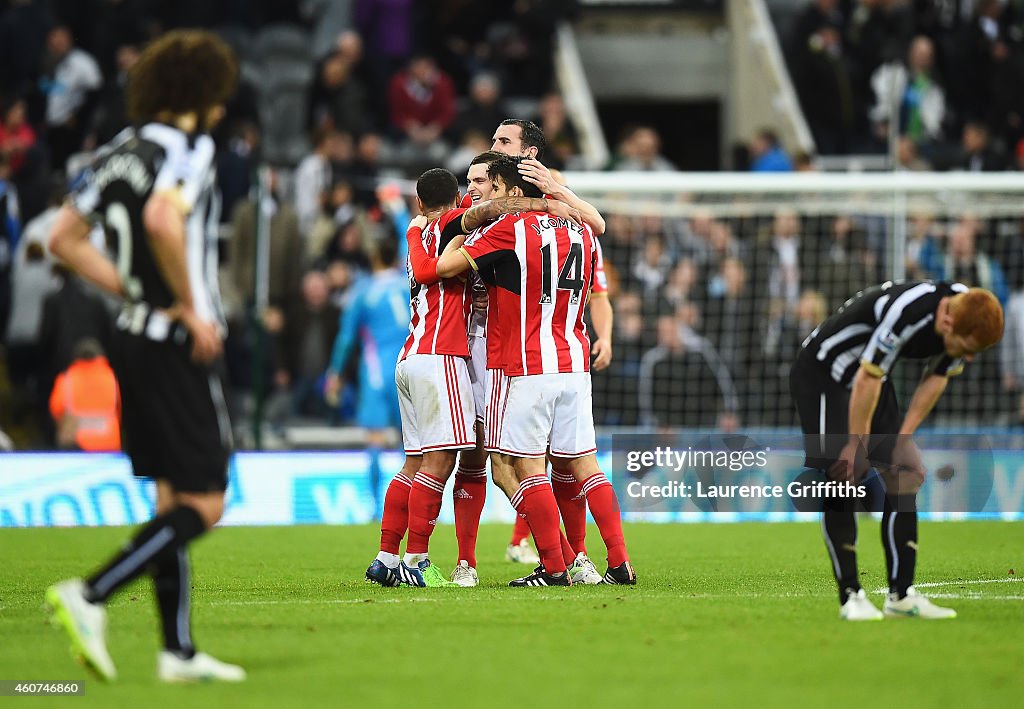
(724, 614)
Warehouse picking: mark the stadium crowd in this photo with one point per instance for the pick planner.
(710, 310)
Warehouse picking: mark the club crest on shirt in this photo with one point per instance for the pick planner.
(888, 342)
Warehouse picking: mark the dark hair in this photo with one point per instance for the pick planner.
(530, 134)
(183, 71)
(437, 187)
(507, 168)
(385, 251)
(87, 348)
(487, 157)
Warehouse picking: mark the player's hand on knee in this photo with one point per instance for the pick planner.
(846, 466)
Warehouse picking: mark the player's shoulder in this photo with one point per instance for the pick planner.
(448, 217)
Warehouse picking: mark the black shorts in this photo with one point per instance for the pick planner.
(174, 422)
(824, 409)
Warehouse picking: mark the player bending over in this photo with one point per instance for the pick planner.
(851, 419)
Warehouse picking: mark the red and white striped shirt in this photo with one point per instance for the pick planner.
(440, 310)
(542, 268)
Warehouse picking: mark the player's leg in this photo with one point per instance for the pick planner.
(901, 468)
(522, 440)
(572, 505)
(394, 521)
(573, 447)
(822, 406)
(172, 580)
(469, 493)
(442, 396)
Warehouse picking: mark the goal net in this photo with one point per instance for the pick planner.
(716, 279)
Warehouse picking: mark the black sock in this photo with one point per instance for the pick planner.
(899, 538)
(840, 530)
(172, 582)
(176, 528)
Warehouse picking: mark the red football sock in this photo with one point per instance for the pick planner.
(535, 499)
(568, 555)
(520, 531)
(424, 506)
(469, 494)
(605, 508)
(395, 520)
(572, 505)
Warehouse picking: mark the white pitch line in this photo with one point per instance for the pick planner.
(470, 598)
(965, 582)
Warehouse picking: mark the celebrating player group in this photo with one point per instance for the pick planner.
(500, 363)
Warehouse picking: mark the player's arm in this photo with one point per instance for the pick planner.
(342, 348)
(69, 241)
(490, 210)
(864, 395)
(927, 394)
(534, 172)
(164, 220)
(601, 315)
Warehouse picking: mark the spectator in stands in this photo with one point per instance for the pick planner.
(823, 82)
(681, 286)
(484, 109)
(923, 238)
(346, 246)
(731, 326)
(10, 232)
(304, 348)
(976, 154)
(1011, 351)
(32, 282)
(907, 157)
(781, 343)
(682, 382)
(804, 162)
(365, 169)
(72, 313)
(767, 154)
(845, 264)
(85, 402)
(339, 208)
(651, 269)
(422, 108)
(987, 51)
(817, 14)
(314, 175)
(471, 143)
(918, 93)
(73, 80)
(285, 250)
(387, 33)
(642, 151)
(563, 142)
(23, 28)
(776, 263)
(16, 135)
(965, 263)
(236, 163)
(523, 43)
(337, 99)
(111, 116)
(878, 31)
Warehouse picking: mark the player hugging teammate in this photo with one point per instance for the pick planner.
(537, 261)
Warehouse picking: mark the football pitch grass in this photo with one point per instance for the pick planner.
(729, 615)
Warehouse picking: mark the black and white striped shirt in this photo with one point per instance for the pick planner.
(880, 325)
(136, 164)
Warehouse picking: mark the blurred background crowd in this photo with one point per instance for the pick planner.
(339, 103)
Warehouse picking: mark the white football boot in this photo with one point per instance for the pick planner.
(858, 607)
(914, 605)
